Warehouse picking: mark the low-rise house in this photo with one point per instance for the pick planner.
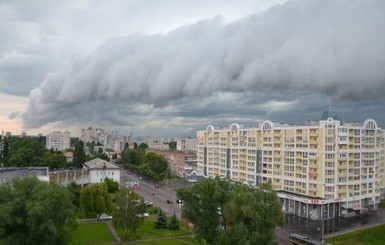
(100, 169)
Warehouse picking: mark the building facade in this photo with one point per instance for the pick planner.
(58, 141)
(186, 144)
(179, 162)
(320, 170)
(100, 169)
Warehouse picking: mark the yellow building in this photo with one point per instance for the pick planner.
(320, 170)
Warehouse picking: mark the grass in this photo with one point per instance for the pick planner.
(382, 204)
(94, 233)
(372, 236)
(147, 231)
(168, 241)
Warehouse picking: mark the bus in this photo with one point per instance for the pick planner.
(297, 239)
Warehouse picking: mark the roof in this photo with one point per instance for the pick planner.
(98, 163)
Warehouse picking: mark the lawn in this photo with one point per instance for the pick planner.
(94, 233)
(372, 236)
(147, 231)
(168, 241)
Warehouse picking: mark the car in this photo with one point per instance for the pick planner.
(142, 215)
(148, 204)
(104, 217)
(156, 186)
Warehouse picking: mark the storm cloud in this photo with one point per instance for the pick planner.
(266, 62)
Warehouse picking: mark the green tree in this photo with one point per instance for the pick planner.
(25, 152)
(112, 185)
(174, 225)
(128, 205)
(172, 146)
(231, 213)
(79, 154)
(157, 164)
(94, 200)
(161, 220)
(201, 203)
(35, 212)
(143, 146)
(75, 191)
(54, 159)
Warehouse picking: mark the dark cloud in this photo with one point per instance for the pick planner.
(288, 59)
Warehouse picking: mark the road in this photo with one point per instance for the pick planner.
(158, 196)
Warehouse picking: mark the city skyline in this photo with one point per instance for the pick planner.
(172, 68)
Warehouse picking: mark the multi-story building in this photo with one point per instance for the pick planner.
(92, 134)
(320, 170)
(179, 162)
(58, 141)
(186, 144)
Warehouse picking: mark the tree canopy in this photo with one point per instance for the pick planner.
(150, 164)
(35, 212)
(79, 154)
(231, 213)
(94, 200)
(128, 205)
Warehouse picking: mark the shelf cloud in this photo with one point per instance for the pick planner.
(267, 62)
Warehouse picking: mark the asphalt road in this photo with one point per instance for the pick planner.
(158, 196)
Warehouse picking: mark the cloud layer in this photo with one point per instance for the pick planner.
(268, 62)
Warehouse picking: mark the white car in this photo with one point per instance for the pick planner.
(143, 215)
(104, 217)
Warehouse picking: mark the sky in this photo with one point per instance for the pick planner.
(171, 67)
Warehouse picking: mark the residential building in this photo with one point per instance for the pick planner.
(186, 144)
(179, 162)
(100, 169)
(320, 170)
(58, 141)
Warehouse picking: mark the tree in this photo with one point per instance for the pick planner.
(143, 146)
(161, 220)
(174, 225)
(112, 186)
(94, 200)
(172, 146)
(128, 205)
(200, 206)
(25, 152)
(35, 212)
(54, 159)
(75, 191)
(231, 213)
(79, 154)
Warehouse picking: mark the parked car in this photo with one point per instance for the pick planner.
(143, 215)
(148, 204)
(156, 186)
(104, 217)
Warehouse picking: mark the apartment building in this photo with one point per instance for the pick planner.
(58, 141)
(186, 144)
(320, 170)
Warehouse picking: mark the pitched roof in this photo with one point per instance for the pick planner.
(98, 163)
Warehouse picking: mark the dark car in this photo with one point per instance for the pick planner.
(156, 186)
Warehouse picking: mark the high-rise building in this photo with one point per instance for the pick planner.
(320, 170)
(58, 141)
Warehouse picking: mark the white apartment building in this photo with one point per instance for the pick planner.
(58, 141)
(320, 170)
(186, 144)
(92, 134)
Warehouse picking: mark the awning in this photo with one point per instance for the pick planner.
(354, 207)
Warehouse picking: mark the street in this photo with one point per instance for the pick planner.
(158, 196)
